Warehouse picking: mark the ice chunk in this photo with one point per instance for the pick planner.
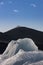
(13, 47)
(27, 44)
(24, 58)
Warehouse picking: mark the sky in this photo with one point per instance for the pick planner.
(28, 13)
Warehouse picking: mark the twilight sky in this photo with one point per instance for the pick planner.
(27, 13)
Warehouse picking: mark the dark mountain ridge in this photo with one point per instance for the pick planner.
(21, 32)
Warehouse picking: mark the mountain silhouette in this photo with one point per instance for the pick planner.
(21, 32)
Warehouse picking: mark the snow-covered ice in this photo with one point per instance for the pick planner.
(22, 52)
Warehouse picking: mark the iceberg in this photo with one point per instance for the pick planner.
(24, 58)
(26, 44)
(22, 52)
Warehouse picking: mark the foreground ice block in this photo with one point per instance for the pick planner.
(13, 47)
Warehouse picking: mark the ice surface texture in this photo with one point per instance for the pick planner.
(22, 52)
(26, 44)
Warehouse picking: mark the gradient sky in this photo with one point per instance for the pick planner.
(27, 13)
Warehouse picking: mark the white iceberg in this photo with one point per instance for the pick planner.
(24, 58)
(26, 44)
(22, 52)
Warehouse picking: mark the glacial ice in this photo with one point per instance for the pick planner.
(26, 44)
(22, 52)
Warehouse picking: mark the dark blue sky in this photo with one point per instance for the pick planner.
(27, 13)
